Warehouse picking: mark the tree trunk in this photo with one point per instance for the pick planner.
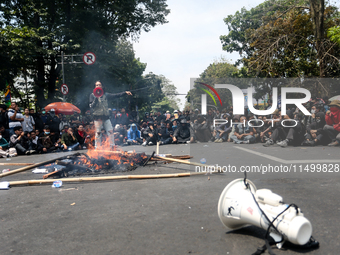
(317, 10)
(40, 67)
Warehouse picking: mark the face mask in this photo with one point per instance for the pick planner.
(334, 109)
(318, 121)
(47, 133)
(43, 112)
(174, 126)
(312, 111)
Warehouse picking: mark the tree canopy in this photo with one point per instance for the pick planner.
(286, 38)
(34, 32)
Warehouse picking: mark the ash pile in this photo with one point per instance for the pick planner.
(96, 163)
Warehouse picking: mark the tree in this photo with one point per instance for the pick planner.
(289, 41)
(34, 32)
(219, 72)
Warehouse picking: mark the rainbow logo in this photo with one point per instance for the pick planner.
(209, 93)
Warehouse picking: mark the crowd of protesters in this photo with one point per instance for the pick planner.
(33, 132)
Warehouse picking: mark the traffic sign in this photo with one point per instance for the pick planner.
(89, 58)
(64, 89)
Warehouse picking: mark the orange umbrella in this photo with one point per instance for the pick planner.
(62, 107)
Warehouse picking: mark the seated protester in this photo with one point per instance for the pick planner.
(315, 134)
(134, 135)
(46, 141)
(295, 135)
(81, 136)
(201, 129)
(105, 137)
(174, 125)
(4, 138)
(123, 131)
(35, 143)
(38, 133)
(210, 118)
(235, 120)
(4, 133)
(243, 133)
(69, 140)
(75, 119)
(183, 133)
(64, 122)
(265, 130)
(143, 127)
(15, 141)
(5, 153)
(64, 130)
(332, 127)
(150, 134)
(119, 134)
(147, 117)
(223, 130)
(164, 135)
(25, 141)
(279, 133)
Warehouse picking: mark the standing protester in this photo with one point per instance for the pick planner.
(28, 124)
(53, 122)
(4, 120)
(101, 114)
(39, 124)
(44, 116)
(15, 117)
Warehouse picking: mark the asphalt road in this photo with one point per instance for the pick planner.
(169, 216)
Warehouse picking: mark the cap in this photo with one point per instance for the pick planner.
(335, 103)
(52, 110)
(175, 111)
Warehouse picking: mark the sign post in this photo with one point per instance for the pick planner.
(89, 58)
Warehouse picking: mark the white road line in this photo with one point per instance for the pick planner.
(283, 161)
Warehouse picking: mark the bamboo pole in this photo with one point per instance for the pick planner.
(34, 165)
(16, 164)
(182, 161)
(106, 178)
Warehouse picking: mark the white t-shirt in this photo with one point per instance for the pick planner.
(13, 124)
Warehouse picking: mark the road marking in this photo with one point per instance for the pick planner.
(283, 161)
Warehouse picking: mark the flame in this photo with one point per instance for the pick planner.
(105, 155)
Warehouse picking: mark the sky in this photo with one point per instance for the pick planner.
(185, 46)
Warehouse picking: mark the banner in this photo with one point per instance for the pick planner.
(8, 96)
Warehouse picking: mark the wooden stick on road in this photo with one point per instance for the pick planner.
(105, 178)
(34, 165)
(16, 164)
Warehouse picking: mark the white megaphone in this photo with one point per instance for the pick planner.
(237, 208)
